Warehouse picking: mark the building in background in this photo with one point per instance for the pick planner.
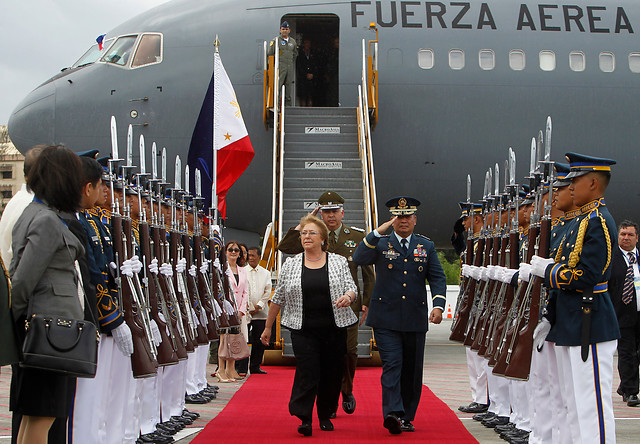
(11, 168)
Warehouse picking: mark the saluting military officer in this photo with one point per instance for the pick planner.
(288, 53)
(585, 328)
(399, 312)
(343, 241)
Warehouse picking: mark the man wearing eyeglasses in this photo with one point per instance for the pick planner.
(343, 241)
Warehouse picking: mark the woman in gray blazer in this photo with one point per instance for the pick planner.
(315, 291)
(44, 281)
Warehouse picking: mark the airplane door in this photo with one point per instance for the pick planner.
(318, 39)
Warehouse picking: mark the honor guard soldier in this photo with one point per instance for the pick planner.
(585, 328)
(399, 310)
(343, 241)
(288, 51)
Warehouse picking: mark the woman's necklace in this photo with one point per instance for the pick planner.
(315, 260)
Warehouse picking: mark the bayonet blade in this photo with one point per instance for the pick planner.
(186, 179)
(164, 165)
(130, 145)
(540, 149)
(178, 174)
(143, 161)
(506, 173)
(468, 188)
(154, 161)
(497, 180)
(512, 167)
(114, 139)
(199, 183)
(547, 145)
(532, 162)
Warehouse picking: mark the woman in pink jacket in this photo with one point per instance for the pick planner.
(238, 286)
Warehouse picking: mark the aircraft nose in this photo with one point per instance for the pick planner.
(33, 120)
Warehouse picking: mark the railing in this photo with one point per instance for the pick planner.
(280, 176)
(371, 68)
(366, 153)
(270, 74)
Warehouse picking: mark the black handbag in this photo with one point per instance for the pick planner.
(61, 345)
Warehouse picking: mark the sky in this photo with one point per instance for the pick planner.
(40, 37)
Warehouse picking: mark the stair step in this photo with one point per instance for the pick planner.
(320, 111)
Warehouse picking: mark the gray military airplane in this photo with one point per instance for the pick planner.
(459, 83)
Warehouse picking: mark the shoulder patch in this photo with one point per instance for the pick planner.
(358, 229)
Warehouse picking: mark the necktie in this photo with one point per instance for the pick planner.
(628, 288)
(332, 241)
(404, 246)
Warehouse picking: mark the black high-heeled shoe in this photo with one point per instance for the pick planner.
(326, 425)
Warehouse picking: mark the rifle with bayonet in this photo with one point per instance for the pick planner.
(190, 272)
(143, 360)
(524, 288)
(472, 328)
(156, 299)
(520, 364)
(463, 306)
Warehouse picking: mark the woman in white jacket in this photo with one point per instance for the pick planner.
(315, 290)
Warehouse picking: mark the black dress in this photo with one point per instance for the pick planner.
(319, 348)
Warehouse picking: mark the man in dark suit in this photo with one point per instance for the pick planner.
(623, 284)
(398, 311)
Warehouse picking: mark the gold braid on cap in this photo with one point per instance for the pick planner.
(574, 256)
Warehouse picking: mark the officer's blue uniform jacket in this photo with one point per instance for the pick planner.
(399, 298)
(583, 261)
(96, 222)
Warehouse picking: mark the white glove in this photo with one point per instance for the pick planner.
(181, 265)
(126, 268)
(161, 316)
(136, 265)
(228, 307)
(540, 333)
(216, 309)
(194, 316)
(524, 271)
(204, 268)
(494, 272)
(166, 269)
(155, 333)
(215, 227)
(124, 340)
(474, 272)
(216, 264)
(203, 317)
(484, 273)
(507, 275)
(465, 270)
(193, 270)
(539, 265)
(153, 266)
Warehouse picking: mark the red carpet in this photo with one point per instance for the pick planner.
(259, 412)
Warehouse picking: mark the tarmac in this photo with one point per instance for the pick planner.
(445, 374)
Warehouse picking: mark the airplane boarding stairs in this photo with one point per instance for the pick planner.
(321, 153)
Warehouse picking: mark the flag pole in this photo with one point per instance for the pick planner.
(214, 173)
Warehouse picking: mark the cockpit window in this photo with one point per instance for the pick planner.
(93, 54)
(120, 51)
(149, 50)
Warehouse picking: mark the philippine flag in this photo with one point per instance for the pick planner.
(220, 112)
(231, 140)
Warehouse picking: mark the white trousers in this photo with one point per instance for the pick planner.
(589, 403)
(91, 405)
(150, 403)
(173, 389)
(477, 377)
(519, 398)
(498, 387)
(111, 430)
(133, 410)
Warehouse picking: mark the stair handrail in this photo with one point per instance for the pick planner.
(363, 159)
(270, 75)
(373, 200)
(281, 176)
